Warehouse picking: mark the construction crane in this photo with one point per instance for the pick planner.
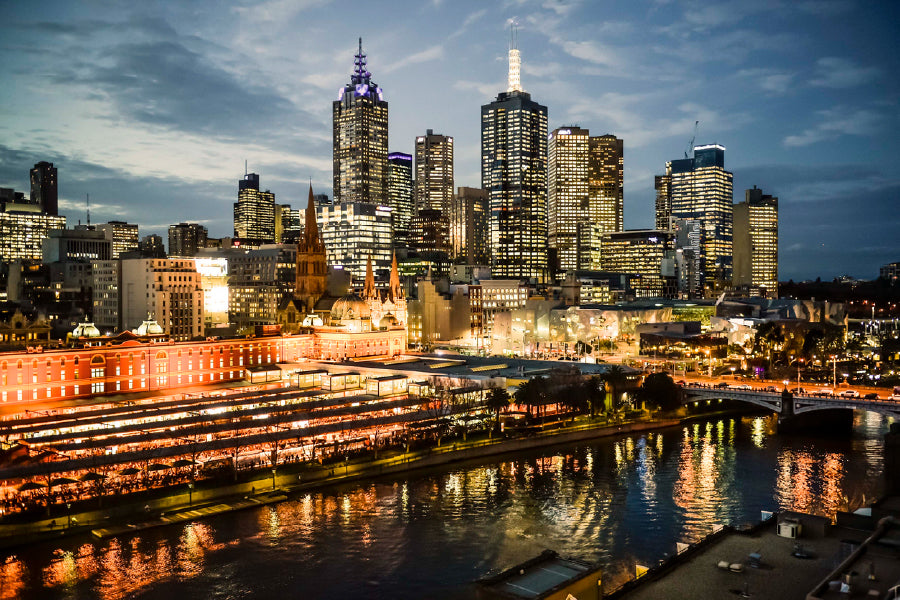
(690, 147)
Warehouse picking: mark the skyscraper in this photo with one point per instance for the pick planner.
(756, 243)
(514, 173)
(44, 191)
(124, 236)
(360, 118)
(254, 212)
(567, 193)
(585, 195)
(400, 196)
(434, 172)
(353, 232)
(702, 190)
(663, 186)
(469, 226)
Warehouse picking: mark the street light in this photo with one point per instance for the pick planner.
(732, 372)
(273, 479)
(799, 360)
(68, 514)
(191, 494)
(834, 375)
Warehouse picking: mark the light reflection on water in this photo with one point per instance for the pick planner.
(619, 501)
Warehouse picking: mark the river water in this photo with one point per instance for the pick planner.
(619, 501)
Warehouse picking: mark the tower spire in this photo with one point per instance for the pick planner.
(515, 61)
(394, 290)
(369, 292)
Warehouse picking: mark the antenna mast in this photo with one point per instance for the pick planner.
(88, 203)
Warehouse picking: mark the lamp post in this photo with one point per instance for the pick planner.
(191, 494)
(68, 514)
(732, 372)
(799, 360)
(834, 372)
(709, 363)
(273, 479)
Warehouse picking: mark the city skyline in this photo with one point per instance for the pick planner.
(163, 107)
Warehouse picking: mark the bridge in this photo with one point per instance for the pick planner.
(798, 403)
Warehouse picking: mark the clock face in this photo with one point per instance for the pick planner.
(362, 89)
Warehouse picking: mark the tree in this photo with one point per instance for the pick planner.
(497, 400)
(595, 393)
(615, 381)
(532, 394)
(660, 391)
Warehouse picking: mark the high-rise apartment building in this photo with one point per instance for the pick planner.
(254, 212)
(360, 121)
(700, 189)
(756, 243)
(124, 236)
(44, 187)
(400, 196)
(353, 232)
(186, 238)
(469, 230)
(514, 173)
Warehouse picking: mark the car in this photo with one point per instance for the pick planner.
(825, 392)
(740, 386)
(771, 388)
(850, 394)
(681, 382)
(721, 386)
(871, 396)
(798, 390)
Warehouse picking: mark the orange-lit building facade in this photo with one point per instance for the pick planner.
(140, 366)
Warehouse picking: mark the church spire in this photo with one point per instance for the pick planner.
(369, 292)
(394, 290)
(311, 231)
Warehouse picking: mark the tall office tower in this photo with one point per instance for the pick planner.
(400, 196)
(288, 224)
(124, 236)
(663, 186)
(756, 243)
(688, 237)
(354, 232)
(254, 212)
(434, 172)
(567, 193)
(186, 238)
(701, 190)
(258, 280)
(514, 173)
(23, 227)
(469, 231)
(606, 172)
(360, 116)
(44, 189)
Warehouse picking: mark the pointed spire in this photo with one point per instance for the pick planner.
(514, 83)
(311, 233)
(394, 289)
(369, 292)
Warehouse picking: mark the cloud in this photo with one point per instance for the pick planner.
(826, 8)
(165, 84)
(432, 53)
(470, 20)
(561, 7)
(277, 12)
(486, 90)
(836, 122)
(835, 72)
(773, 81)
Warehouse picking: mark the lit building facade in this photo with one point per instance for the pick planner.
(354, 232)
(186, 238)
(702, 190)
(514, 173)
(360, 138)
(640, 252)
(213, 272)
(45, 187)
(663, 186)
(106, 300)
(167, 289)
(567, 193)
(400, 197)
(756, 243)
(606, 195)
(469, 226)
(124, 236)
(434, 180)
(254, 212)
(23, 228)
(257, 281)
(80, 244)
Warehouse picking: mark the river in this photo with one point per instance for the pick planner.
(619, 501)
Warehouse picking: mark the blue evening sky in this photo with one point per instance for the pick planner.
(152, 107)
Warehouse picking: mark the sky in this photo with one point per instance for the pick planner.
(153, 108)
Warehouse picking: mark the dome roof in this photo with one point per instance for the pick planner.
(149, 327)
(350, 307)
(86, 329)
(389, 320)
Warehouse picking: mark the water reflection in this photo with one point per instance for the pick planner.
(608, 502)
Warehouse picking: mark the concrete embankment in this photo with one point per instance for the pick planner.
(180, 504)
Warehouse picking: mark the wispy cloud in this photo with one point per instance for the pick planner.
(836, 122)
(835, 72)
(470, 20)
(484, 89)
(772, 81)
(432, 53)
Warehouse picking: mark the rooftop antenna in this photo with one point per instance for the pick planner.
(88, 209)
(690, 147)
(245, 167)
